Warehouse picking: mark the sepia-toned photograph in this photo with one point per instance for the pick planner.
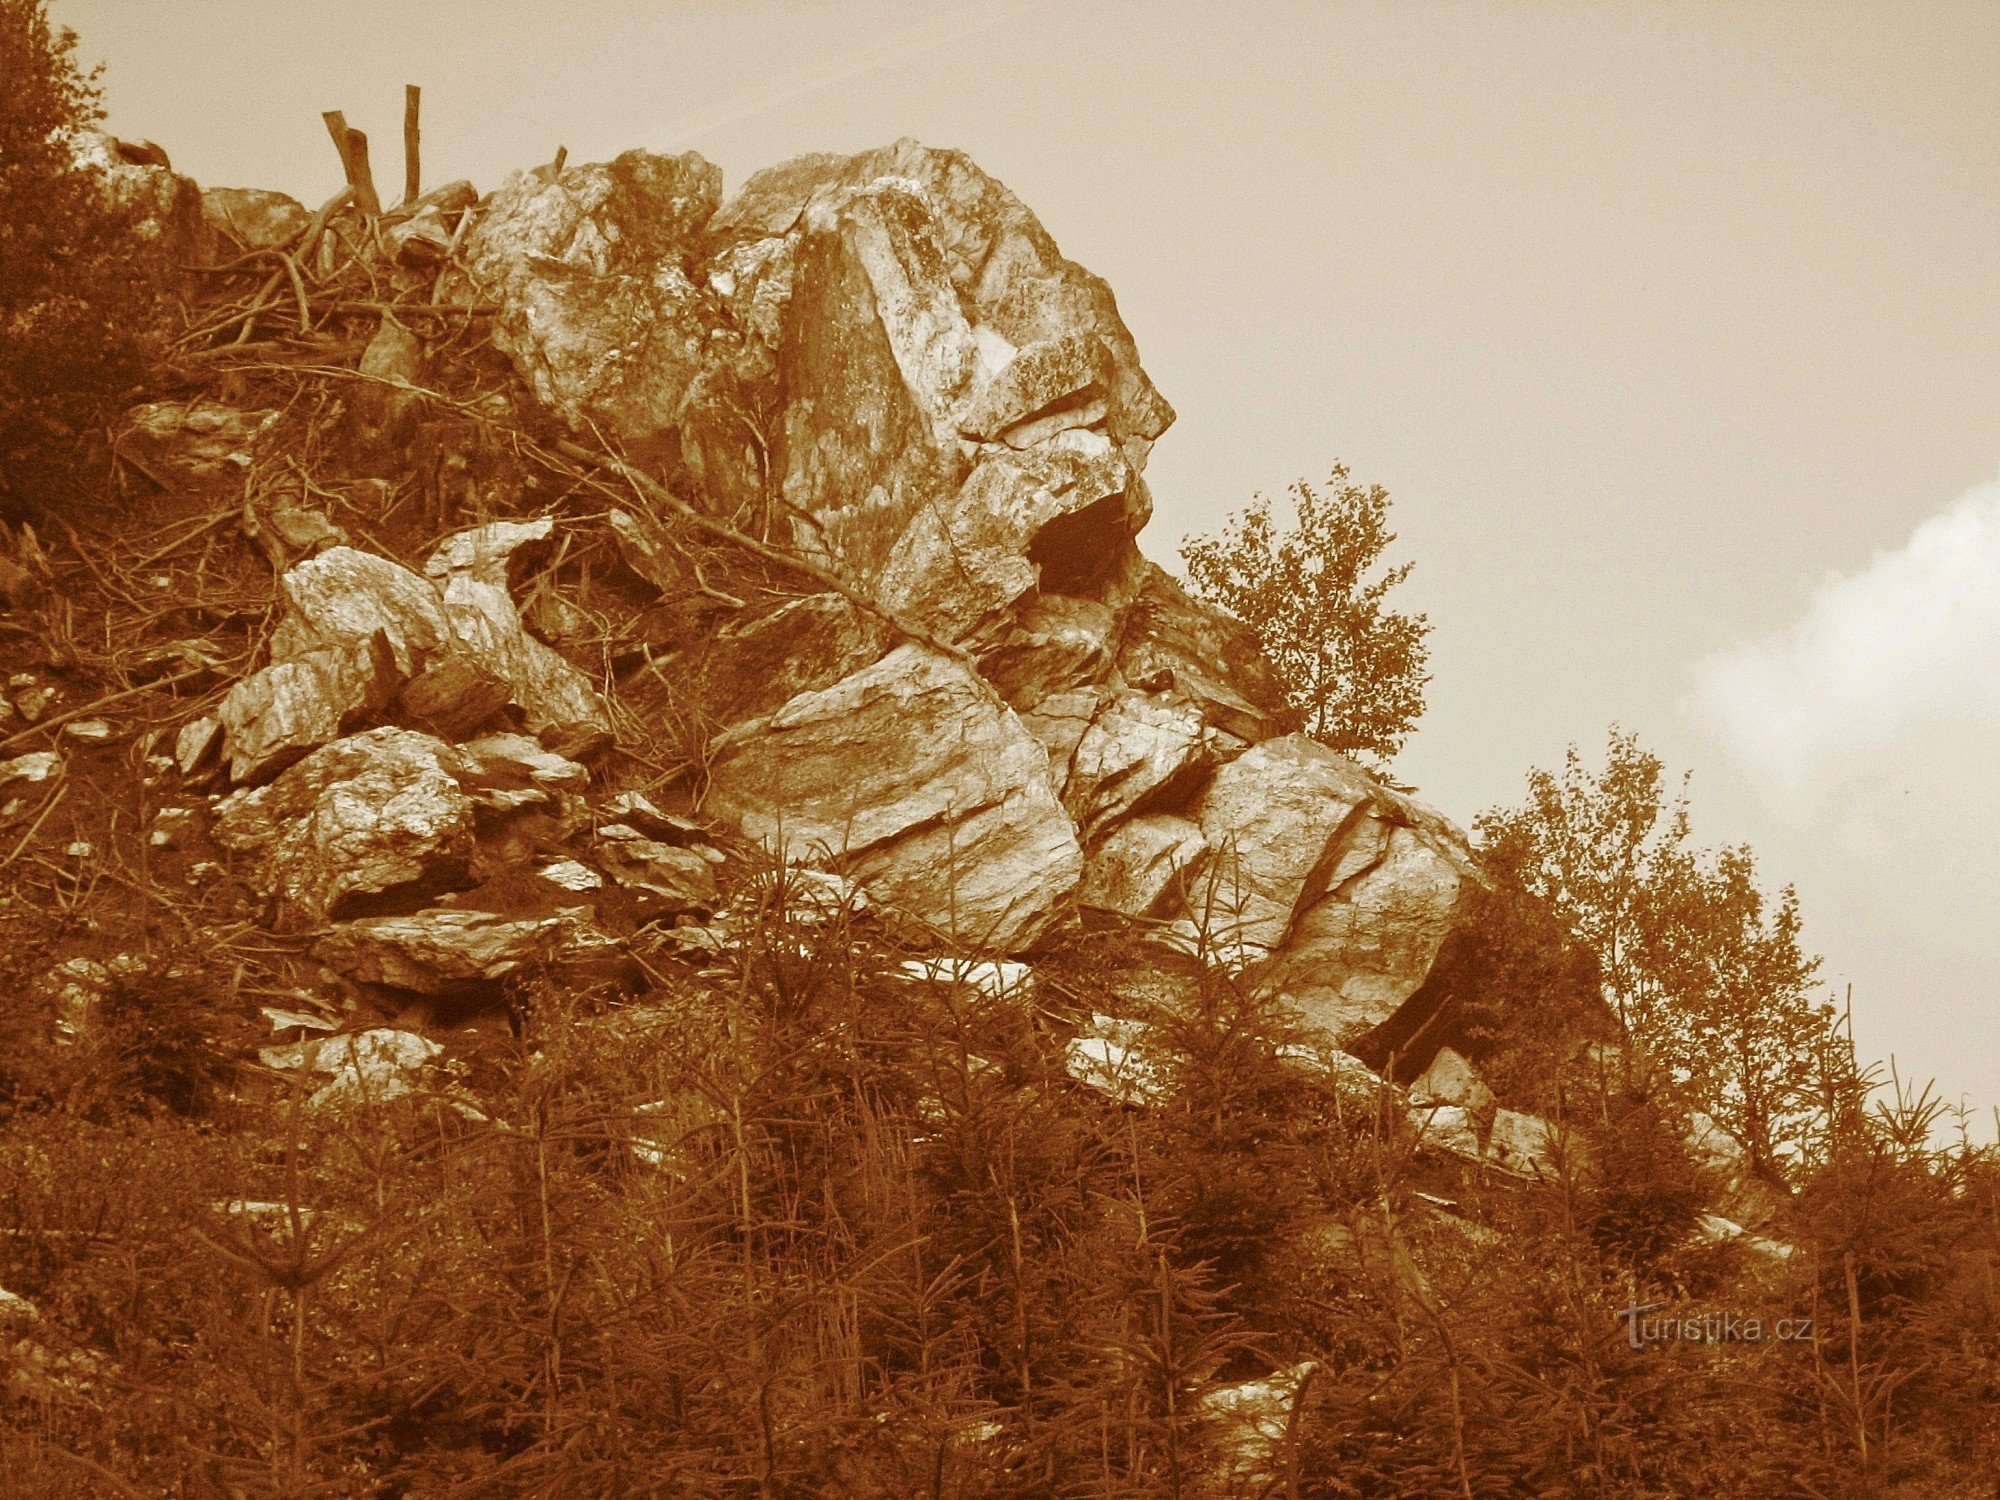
(1041, 749)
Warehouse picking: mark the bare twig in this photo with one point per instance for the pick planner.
(58, 720)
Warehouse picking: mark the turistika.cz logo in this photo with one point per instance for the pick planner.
(1708, 1328)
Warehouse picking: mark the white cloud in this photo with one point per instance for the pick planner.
(1886, 688)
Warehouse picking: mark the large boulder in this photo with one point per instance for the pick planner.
(591, 268)
(1326, 886)
(913, 777)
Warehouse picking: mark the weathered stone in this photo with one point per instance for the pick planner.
(253, 218)
(676, 874)
(161, 210)
(1015, 286)
(1058, 643)
(571, 875)
(345, 595)
(367, 813)
(1522, 1143)
(753, 666)
(1134, 748)
(1173, 644)
(1251, 1426)
(556, 700)
(437, 950)
(994, 978)
(1048, 387)
(367, 1067)
(363, 638)
(515, 759)
(876, 354)
(194, 442)
(1114, 1057)
(1137, 867)
(274, 716)
(1451, 1079)
(36, 765)
(422, 239)
(197, 739)
(912, 777)
(1447, 1127)
(597, 309)
(960, 564)
(1337, 889)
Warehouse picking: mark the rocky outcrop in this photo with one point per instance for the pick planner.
(993, 712)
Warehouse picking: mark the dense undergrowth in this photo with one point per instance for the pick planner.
(798, 1225)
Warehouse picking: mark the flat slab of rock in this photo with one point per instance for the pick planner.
(911, 776)
(437, 950)
(366, 1067)
(364, 814)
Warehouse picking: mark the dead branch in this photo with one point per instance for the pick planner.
(412, 174)
(353, 148)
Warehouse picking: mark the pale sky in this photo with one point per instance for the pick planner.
(1673, 329)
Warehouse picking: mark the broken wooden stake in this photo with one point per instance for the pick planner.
(353, 148)
(412, 173)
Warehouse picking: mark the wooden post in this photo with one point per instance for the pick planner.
(353, 148)
(412, 173)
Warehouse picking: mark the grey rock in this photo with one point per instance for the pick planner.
(1451, 1079)
(367, 813)
(194, 442)
(1138, 867)
(363, 1067)
(911, 776)
(274, 716)
(364, 638)
(1338, 891)
(1172, 644)
(253, 217)
(682, 876)
(438, 949)
(597, 309)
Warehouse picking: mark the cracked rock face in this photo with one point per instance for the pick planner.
(914, 778)
(361, 815)
(1330, 889)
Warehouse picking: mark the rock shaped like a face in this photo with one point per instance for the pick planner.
(913, 777)
(361, 815)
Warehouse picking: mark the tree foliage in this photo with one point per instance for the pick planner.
(1703, 966)
(1317, 595)
(75, 291)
